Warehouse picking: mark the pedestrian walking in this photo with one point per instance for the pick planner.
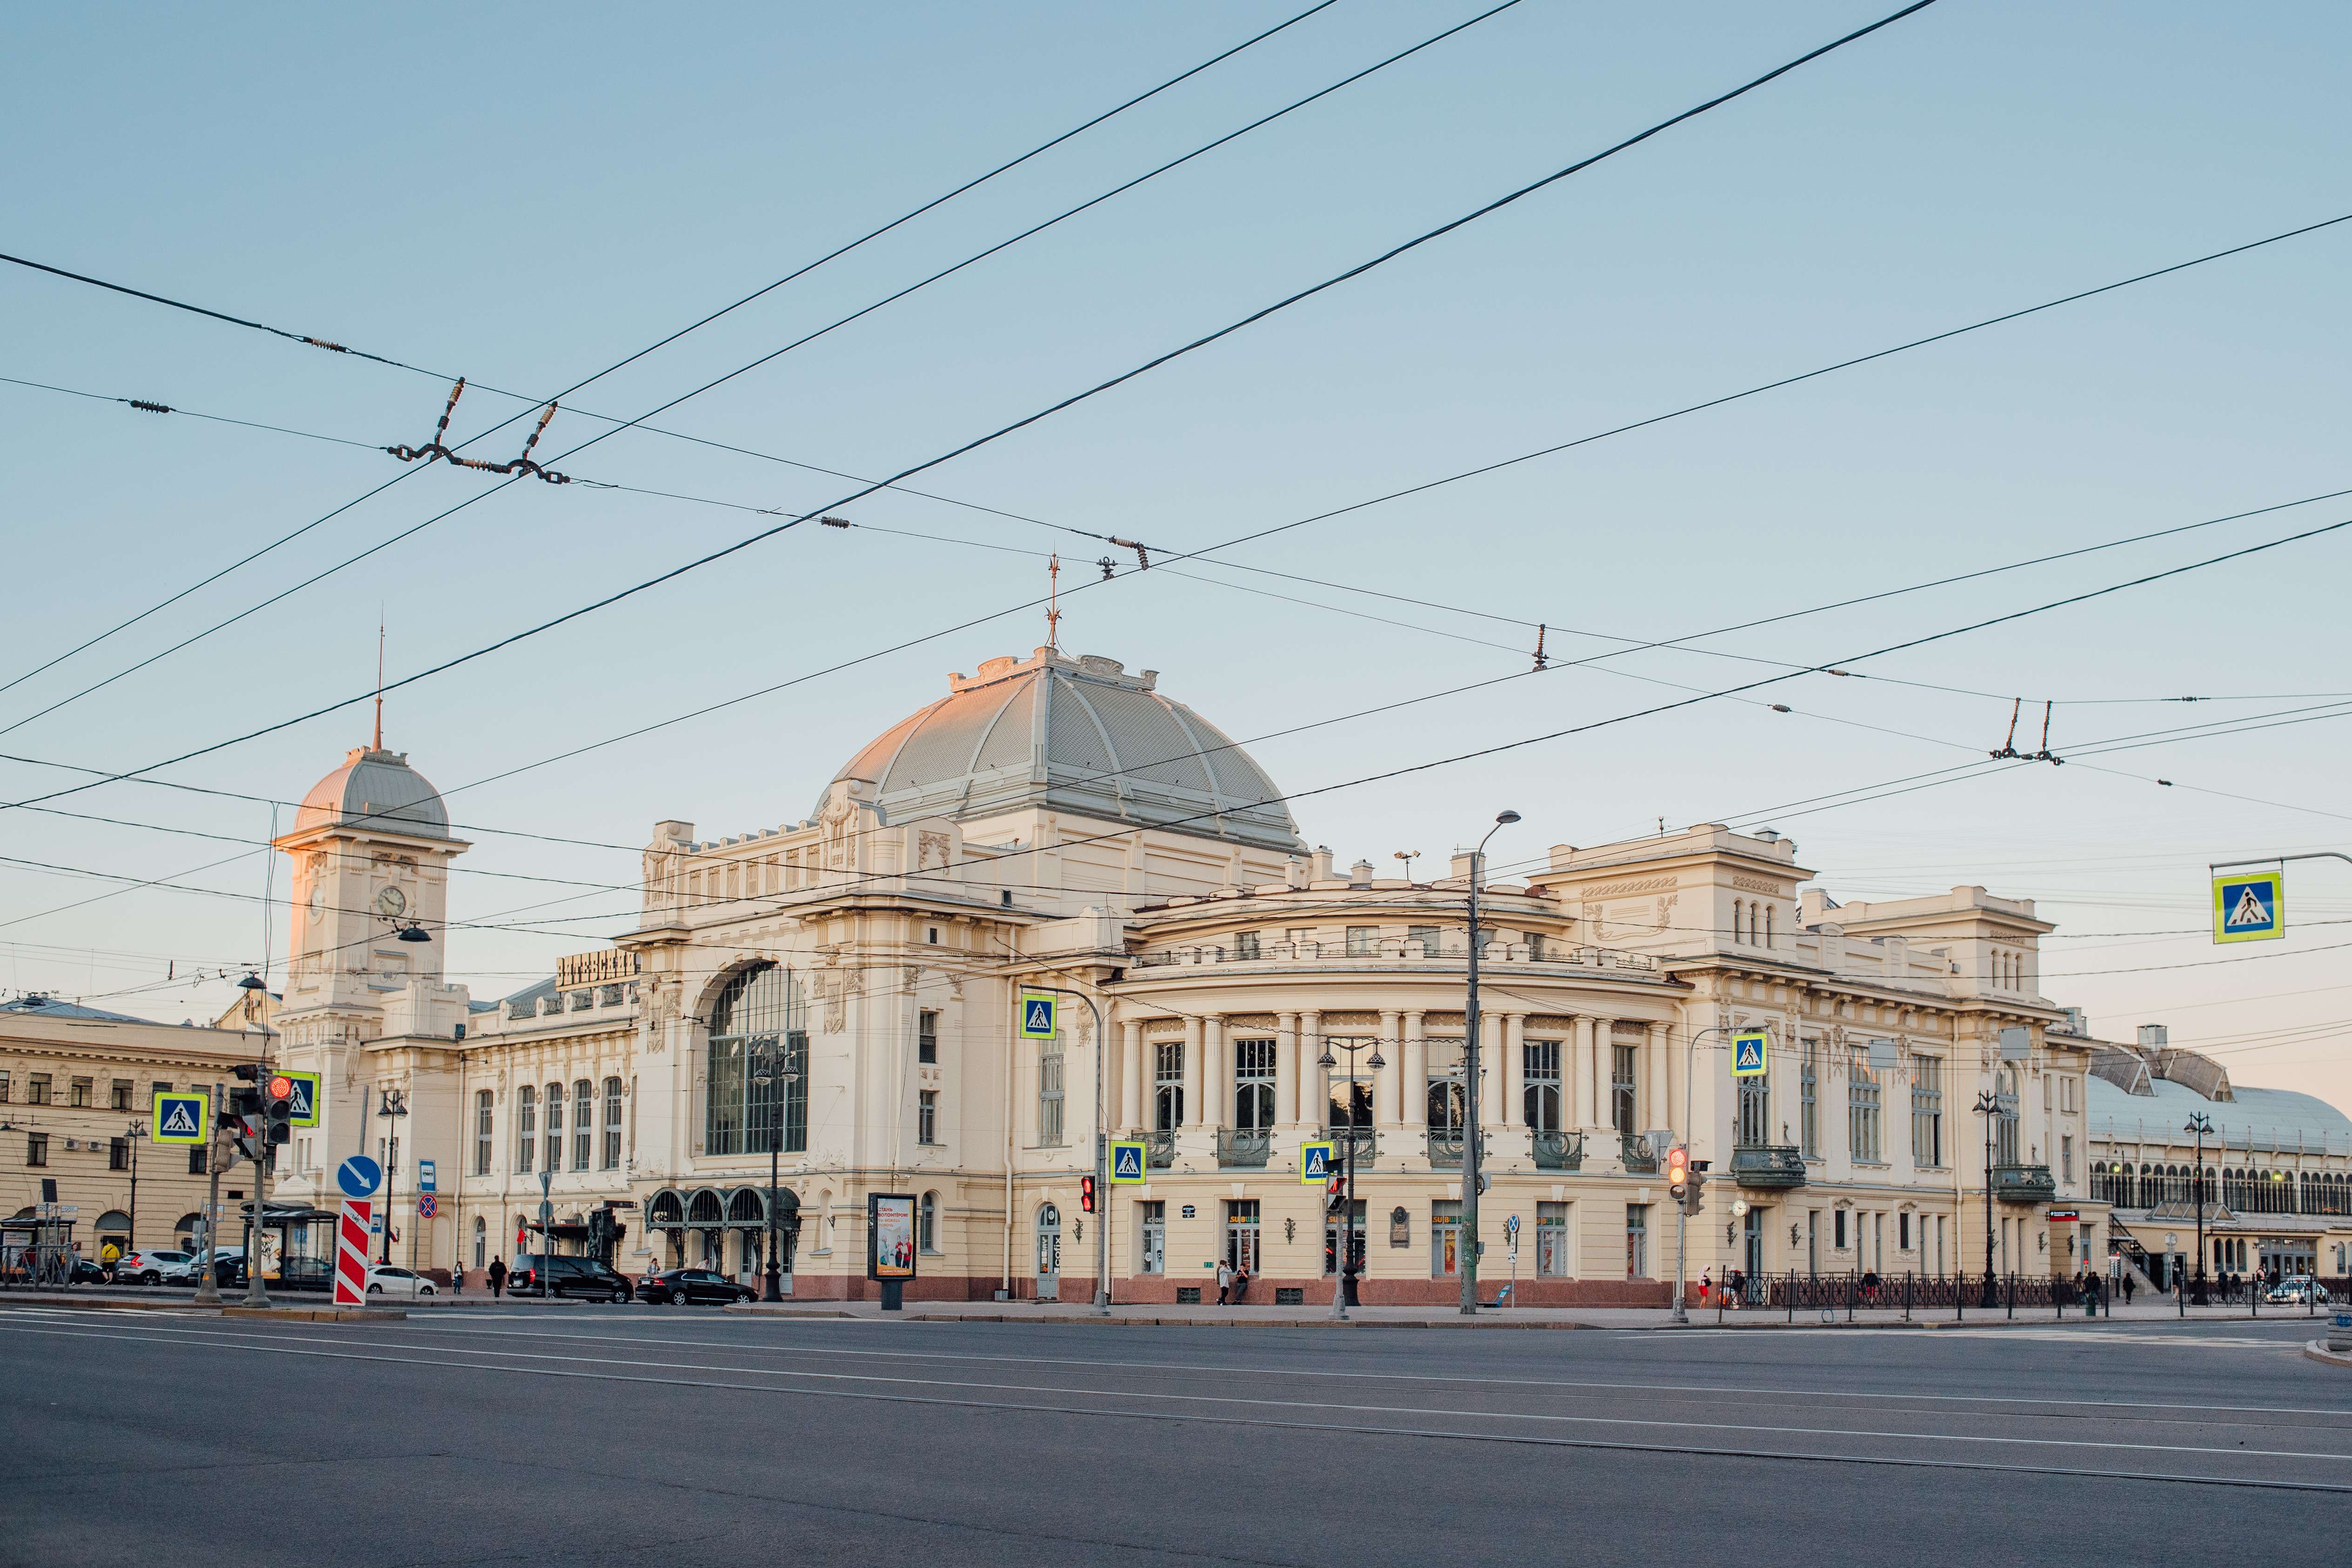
(1225, 1282)
(497, 1277)
(1705, 1283)
(2127, 1290)
(457, 1276)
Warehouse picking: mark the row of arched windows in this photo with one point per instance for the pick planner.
(539, 1129)
(2242, 1190)
(1751, 923)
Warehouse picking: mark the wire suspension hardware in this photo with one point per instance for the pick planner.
(1543, 660)
(2009, 747)
(522, 464)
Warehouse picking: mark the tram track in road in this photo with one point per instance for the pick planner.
(2169, 1463)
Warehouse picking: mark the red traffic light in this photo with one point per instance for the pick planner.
(1087, 1194)
(281, 1087)
(1677, 1169)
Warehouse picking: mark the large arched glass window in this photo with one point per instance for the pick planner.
(583, 1124)
(482, 1126)
(481, 1241)
(555, 1126)
(612, 1160)
(2004, 1135)
(757, 1093)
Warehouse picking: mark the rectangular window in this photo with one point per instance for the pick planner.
(1903, 1232)
(1246, 945)
(37, 1089)
(1551, 1240)
(1621, 1108)
(1168, 1086)
(555, 1108)
(583, 1124)
(1445, 1237)
(83, 1092)
(1754, 1108)
(1837, 1230)
(1363, 941)
(1927, 1111)
(1540, 1058)
(1424, 934)
(117, 1154)
(119, 1094)
(196, 1160)
(1240, 1233)
(1536, 946)
(1808, 1087)
(927, 1036)
(525, 1128)
(612, 1161)
(1637, 1241)
(1350, 1105)
(1334, 1226)
(927, 1117)
(2066, 1157)
(1444, 1088)
(1153, 1244)
(1049, 1092)
(1861, 1107)
(482, 1129)
(36, 1148)
(1254, 1085)
(161, 1086)
(4, 1089)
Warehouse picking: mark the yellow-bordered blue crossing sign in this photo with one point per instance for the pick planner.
(1129, 1165)
(1314, 1164)
(305, 1097)
(183, 1117)
(1037, 1020)
(1751, 1050)
(2250, 906)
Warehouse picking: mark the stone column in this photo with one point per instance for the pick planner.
(1195, 1101)
(1288, 1074)
(1216, 1074)
(1490, 1088)
(1131, 1075)
(1579, 1075)
(1514, 1071)
(1387, 1083)
(1660, 1110)
(1414, 1078)
(1312, 1090)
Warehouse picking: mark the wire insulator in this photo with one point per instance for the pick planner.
(143, 406)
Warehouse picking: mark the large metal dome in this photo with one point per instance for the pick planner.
(375, 789)
(1070, 734)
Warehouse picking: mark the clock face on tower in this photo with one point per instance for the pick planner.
(392, 902)
(318, 900)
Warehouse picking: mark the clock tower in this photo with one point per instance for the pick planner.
(365, 1007)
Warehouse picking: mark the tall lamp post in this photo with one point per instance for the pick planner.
(1988, 1107)
(1344, 1287)
(131, 1135)
(1471, 1080)
(1690, 1140)
(392, 1107)
(1102, 1148)
(2199, 1124)
(777, 1080)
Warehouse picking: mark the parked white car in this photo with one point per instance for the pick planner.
(156, 1266)
(2297, 1288)
(383, 1279)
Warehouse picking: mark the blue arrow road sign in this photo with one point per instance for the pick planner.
(359, 1177)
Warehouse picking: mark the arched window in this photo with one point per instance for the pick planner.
(583, 1124)
(2004, 1136)
(1768, 926)
(927, 1231)
(482, 1125)
(555, 1126)
(481, 1241)
(612, 1160)
(525, 1128)
(757, 1093)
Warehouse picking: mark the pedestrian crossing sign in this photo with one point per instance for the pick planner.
(2249, 908)
(1750, 1049)
(183, 1118)
(305, 1097)
(1128, 1165)
(1037, 1020)
(1314, 1164)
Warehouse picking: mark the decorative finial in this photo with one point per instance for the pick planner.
(1053, 604)
(379, 679)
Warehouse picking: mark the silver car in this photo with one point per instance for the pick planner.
(156, 1266)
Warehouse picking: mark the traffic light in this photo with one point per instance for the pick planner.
(1692, 1203)
(1335, 1193)
(1087, 1194)
(1678, 1172)
(278, 1110)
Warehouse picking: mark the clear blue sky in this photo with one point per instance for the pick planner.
(522, 196)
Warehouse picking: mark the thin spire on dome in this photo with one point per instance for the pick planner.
(379, 678)
(1053, 604)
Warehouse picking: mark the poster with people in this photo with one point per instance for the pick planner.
(890, 1236)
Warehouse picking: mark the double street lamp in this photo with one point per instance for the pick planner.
(2199, 1124)
(776, 1080)
(1345, 1286)
(1988, 1107)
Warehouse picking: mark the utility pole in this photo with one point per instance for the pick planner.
(208, 1288)
(1988, 1106)
(1102, 1147)
(2199, 1124)
(1472, 1085)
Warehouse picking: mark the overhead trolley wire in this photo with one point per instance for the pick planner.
(536, 403)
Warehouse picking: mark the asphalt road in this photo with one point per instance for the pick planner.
(675, 1436)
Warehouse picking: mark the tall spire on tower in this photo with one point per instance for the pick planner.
(379, 681)
(1052, 608)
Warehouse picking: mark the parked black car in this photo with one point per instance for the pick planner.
(690, 1286)
(569, 1277)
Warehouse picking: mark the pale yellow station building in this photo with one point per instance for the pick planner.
(842, 989)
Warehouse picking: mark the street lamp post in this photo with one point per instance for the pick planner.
(131, 1135)
(395, 1104)
(2199, 1124)
(1472, 1084)
(1345, 1276)
(1690, 1141)
(778, 1082)
(1988, 1106)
